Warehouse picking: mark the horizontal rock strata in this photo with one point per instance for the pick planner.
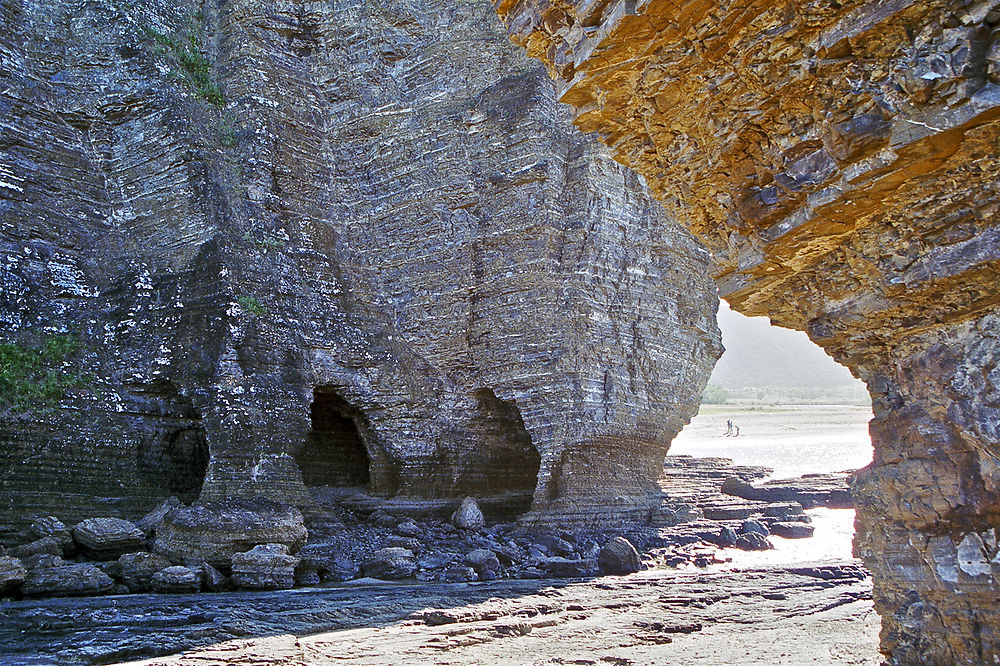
(839, 160)
(265, 246)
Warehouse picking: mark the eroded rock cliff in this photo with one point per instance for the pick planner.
(268, 245)
(839, 159)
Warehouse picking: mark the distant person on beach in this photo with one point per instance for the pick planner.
(729, 428)
(737, 433)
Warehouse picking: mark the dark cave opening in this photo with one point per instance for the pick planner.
(334, 453)
(512, 462)
(175, 456)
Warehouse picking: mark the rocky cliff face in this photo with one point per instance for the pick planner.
(840, 161)
(268, 245)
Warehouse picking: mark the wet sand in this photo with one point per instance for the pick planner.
(791, 439)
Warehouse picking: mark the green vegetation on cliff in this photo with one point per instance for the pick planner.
(36, 376)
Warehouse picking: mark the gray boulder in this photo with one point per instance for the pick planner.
(482, 560)
(265, 567)
(618, 557)
(468, 516)
(53, 576)
(107, 538)
(754, 526)
(214, 532)
(435, 560)
(176, 580)
(50, 526)
(409, 528)
(137, 569)
(753, 541)
(390, 564)
(792, 530)
(12, 573)
(460, 574)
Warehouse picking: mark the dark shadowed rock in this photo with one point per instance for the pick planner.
(390, 564)
(12, 573)
(754, 526)
(48, 545)
(152, 520)
(618, 557)
(176, 580)
(50, 526)
(214, 580)
(752, 541)
(483, 560)
(136, 570)
(265, 567)
(57, 578)
(107, 538)
(468, 516)
(460, 574)
(564, 567)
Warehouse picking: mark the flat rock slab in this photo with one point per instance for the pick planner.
(820, 614)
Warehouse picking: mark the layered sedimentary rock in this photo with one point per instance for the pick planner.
(283, 244)
(840, 162)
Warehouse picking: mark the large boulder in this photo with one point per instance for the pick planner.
(484, 562)
(53, 576)
(137, 569)
(177, 580)
(390, 564)
(214, 532)
(265, 567)
(12, 573)
(618, 557)
(468, 516)
(107, 538)
(50, 526)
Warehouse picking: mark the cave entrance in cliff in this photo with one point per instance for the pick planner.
(173, 453)
(335, 453)
(512, 461)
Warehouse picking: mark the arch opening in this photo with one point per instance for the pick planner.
(334, 453)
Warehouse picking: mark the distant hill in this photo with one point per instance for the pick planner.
(777, 362)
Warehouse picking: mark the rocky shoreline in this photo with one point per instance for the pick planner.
(254, 547)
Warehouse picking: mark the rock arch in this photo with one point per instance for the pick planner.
(839, 161)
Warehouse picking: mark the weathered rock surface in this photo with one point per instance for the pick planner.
(468, 516)
(809, 491)
(357, 245)
(389, 564)
(50, 526)
(12, 573)
(107, 538)
(839, 161)
(618, 557)
(137, 569)
(56, 577)
(265, 567)
(214, 532)
(745, 617)
(178, 580)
